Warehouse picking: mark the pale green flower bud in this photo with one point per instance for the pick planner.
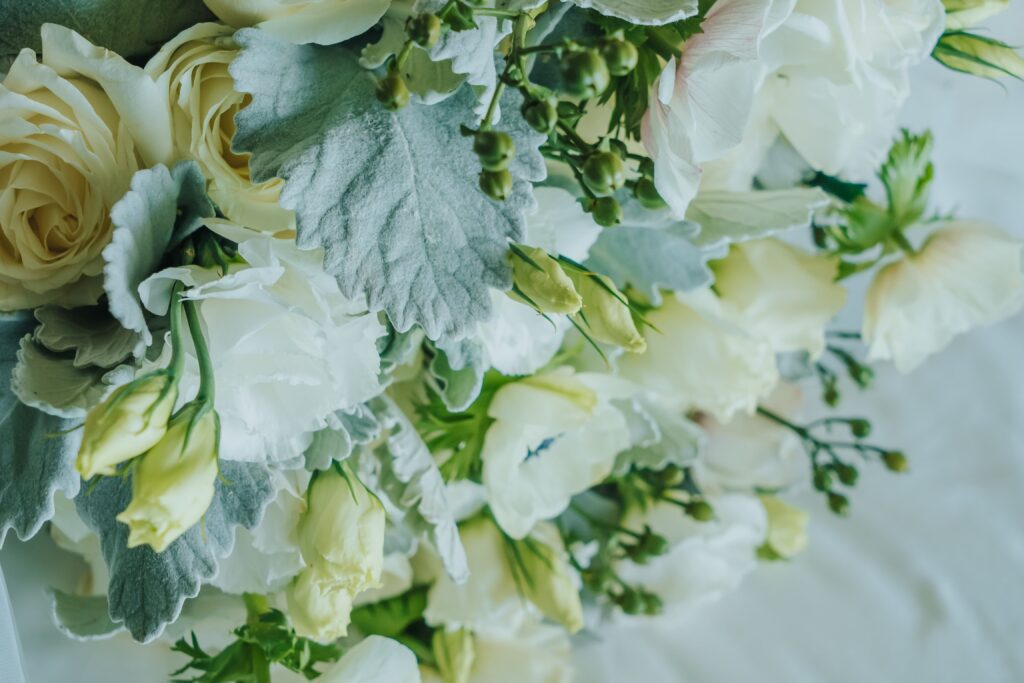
(546, 579)
(341, 534)
(317, 612)
(978, 55)
(455, 652)
(604, 314)
(172, 484)
(130, 422)
(961, 14)
(541, 279)
(787, 527)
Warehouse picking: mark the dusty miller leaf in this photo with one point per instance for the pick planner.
(346, 430)
(83, 617)
(458, 369)
(648, 12)
(90, 332)
(391, 197)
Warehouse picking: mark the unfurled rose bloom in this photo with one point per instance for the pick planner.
(787, 527)
(316, 609)
(779, 293)
(73, 129)
(325, 22)
(341, 535)
(127, 424)
(374, 660)
(193, 67)
(173, 483)
(554, 436)
(279, 316)
(965, 275)
(547, 580)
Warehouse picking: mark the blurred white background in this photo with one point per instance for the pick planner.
(922, 583)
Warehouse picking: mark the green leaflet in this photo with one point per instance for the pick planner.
(392, 198)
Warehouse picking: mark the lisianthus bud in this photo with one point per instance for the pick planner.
(130, 422)
(455, 652)
(604, 314)
(979, 55)
(962, 14)
(341, 534)
(316, 611)
(172, 484)
(787, 527)
(546, 579)
(541, 279)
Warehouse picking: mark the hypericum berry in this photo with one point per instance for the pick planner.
(391, 91)
(847, 474)
(541, 115)
(496, 184)
(838, 503)
(606, 211)
(860, 427)
(631, 602)
(822, 480)
(647, 194)
(424, 29)
(653, 605)
(700, 510)
(604, 173)
(621, 56)
(895, 461)
(585, 73)
(495, 149)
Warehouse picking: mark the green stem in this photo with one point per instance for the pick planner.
(779, 420)
(177, 354)
(519, 30)
(206, 381)
(404, 54)
(491, 12)
(901, 241)
(255, 606)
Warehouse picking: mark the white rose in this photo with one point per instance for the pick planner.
(280, 316)
(554, 436)
(705, 559)
(193, 68)
(325, 22)
(73, 129)
(965, 275)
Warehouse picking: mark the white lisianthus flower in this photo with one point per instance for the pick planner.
(539, 653)
(324, 22)
(700, 360)
(193, 67)
(547, 580)
(554, 436)
(705, 559)
(316, 609)
(787, 527)
(374, 660)
(779, 293)
(279, 317)
(73, 129)
(965, 275)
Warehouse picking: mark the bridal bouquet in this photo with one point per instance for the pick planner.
(399, 340)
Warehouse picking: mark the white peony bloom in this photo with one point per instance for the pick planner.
(965, 275)
(699, 360)
(705, 559)
(554, 435)
(374, 660)
(779, 293)
(290, 346)
(325, 22)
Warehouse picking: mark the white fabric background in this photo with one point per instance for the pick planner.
(922, 583)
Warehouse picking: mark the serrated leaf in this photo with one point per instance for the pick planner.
(90, 332)
(161, 208)
(37, 451)
(403, 471)
(646, 12)
(83, 617)
(738, 216)
(458, 367)
(392, 198)
(147, 589)
(128, 27)
(347, 429)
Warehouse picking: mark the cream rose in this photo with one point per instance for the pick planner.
(193, 68)
(73, 129)
(325, 22)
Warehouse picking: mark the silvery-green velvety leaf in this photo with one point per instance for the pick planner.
(403, 473)
(649, 12)
(458, 369)
(396, 349)
(391, 197)
(161, 208)
(738, 216)
(128, 27)
(52, 383)
(95, 336)
(37, 452)
(147, 589)
(83, 617)
(677, 441)
(335, 442)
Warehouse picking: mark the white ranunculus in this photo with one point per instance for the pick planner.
(73, 129)
(325, 22)
(965, 275)
(700, 360)
(375, 660)
(279, 318)
(779, 293)
(192, 70)
(705, 559)
(700, 107)
(554, 435)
